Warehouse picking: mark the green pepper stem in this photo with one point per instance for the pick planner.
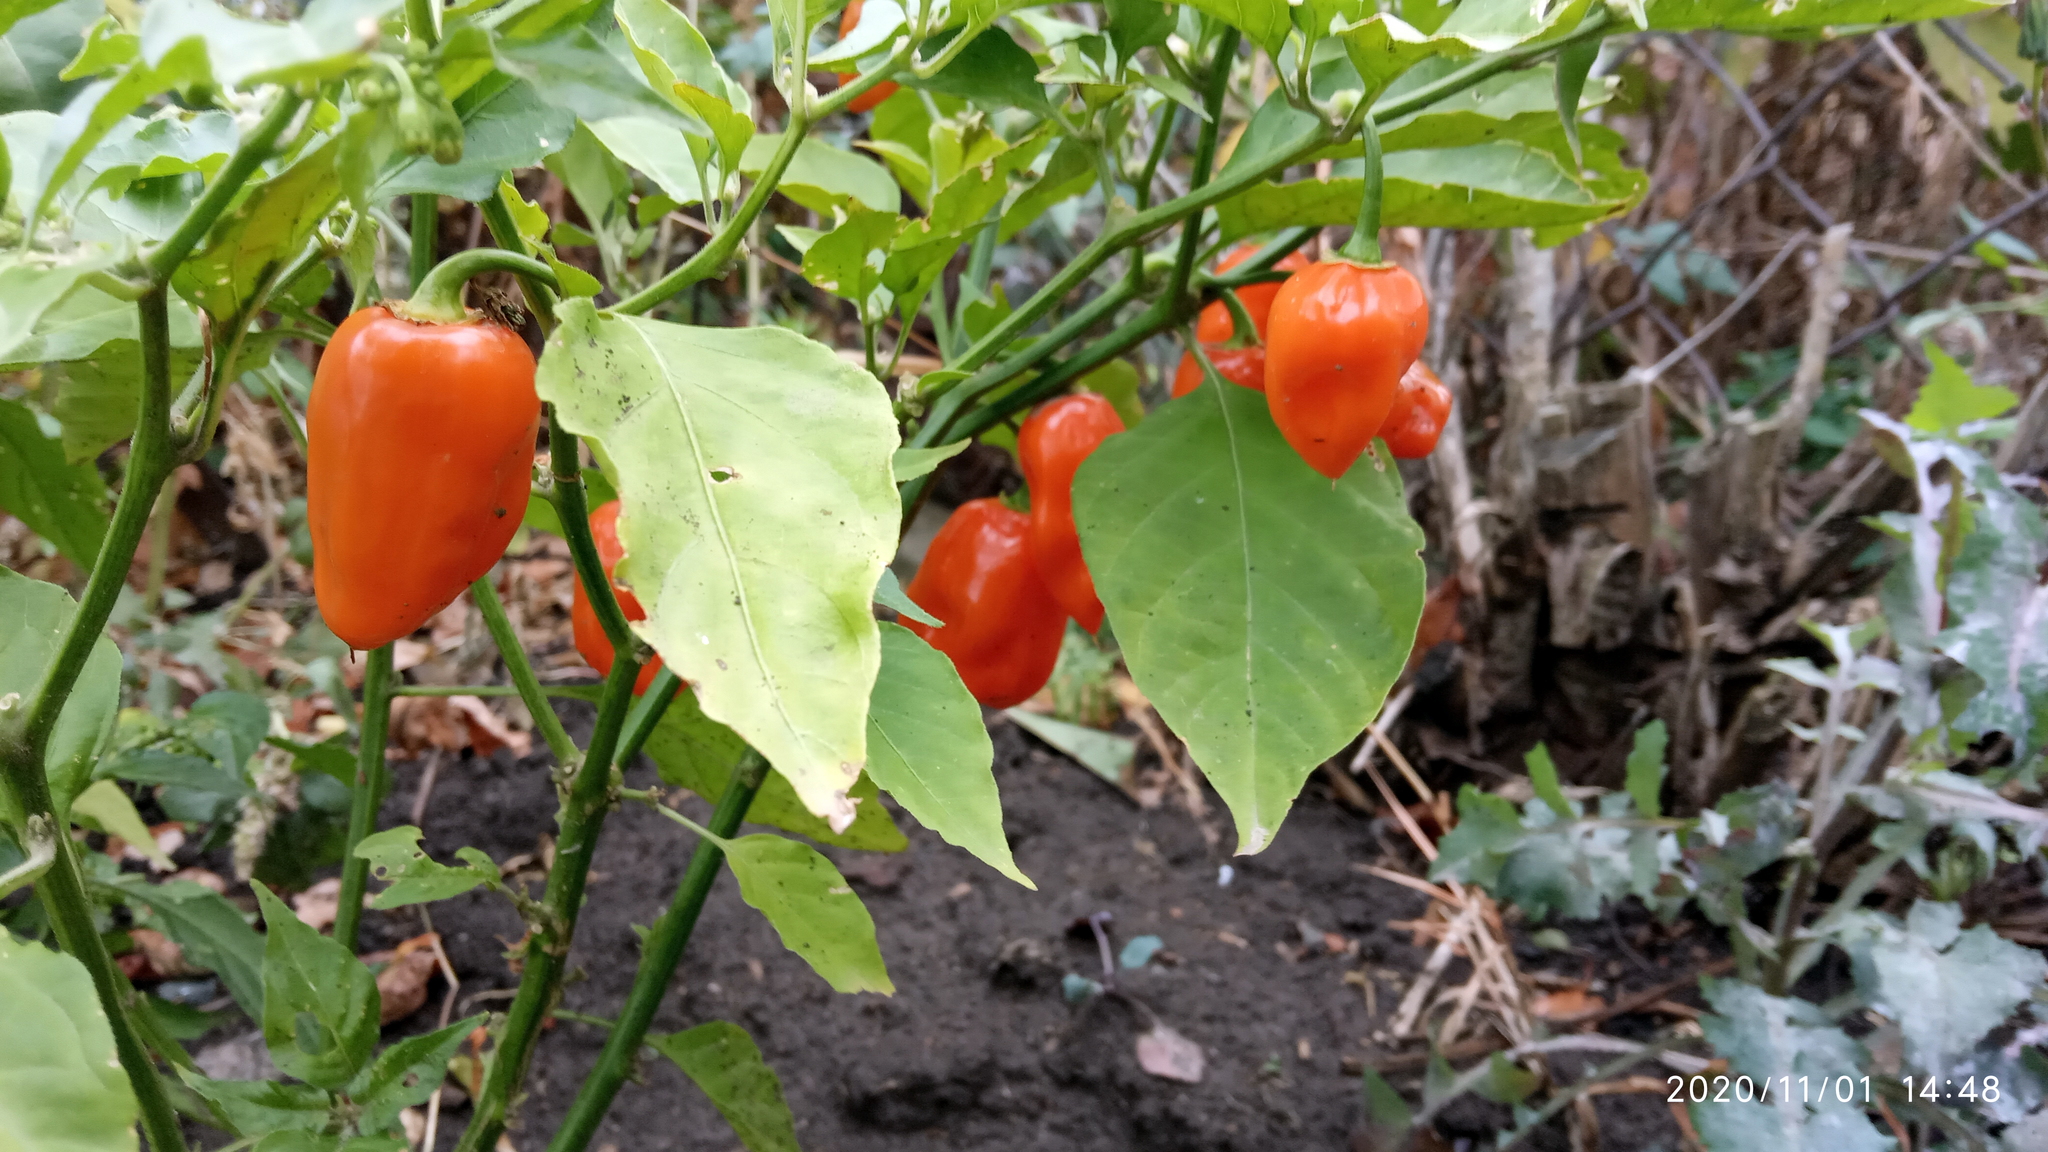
(438, 298)
(1364, 245)
(371, 782)
(1243, 332)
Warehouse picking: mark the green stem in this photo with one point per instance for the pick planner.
(1364, 245)
(1243, 332)
(419, 21)
(159, 548)
(368, 797)
(521, 670)
(547, 947)
(437, 298)
(1168, 117)
(540, 295)
(253, 151)
(572, 508)
(647, 713)
(712, 258)
(24, 742)
(426, 235)
(1140, 328)
(1205, 161)
(659, 955)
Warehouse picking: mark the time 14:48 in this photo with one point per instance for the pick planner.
(1973, 1088)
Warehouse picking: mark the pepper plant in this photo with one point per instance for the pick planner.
(183, 184)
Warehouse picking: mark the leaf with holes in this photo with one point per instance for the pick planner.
(406, 1074)
(1262, 609)
(753, 466)
(396, 858)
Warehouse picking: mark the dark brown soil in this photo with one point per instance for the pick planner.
(978, 1049)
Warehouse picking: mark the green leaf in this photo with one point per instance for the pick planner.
(325, 43)
(1573, 65)
(27, 291)
(993, 72)
(310, 1142)
(61, 1087)
(723, 1061)
(266, 231)
(754, 468)
(320, 1004)
(910, 463)
(1264, 611)
(1646, 769)
(692, 751)
(1767, 1037)
(98, 395)
(1104, 753)
(63, 503)
(1766, 18)
(576, 72)
(1543, 776)
(406, 1074)
(33, 54)
(678, 63)
(1949, 399)
(1067, 173)
(33, 617)
(1488, 831)
(105, 807)
(13, 10)
(1264, 22)
(102, 105)
(1387, 1118)
(813, 910)
(504, 127)
(823, 178)
(655, 150)
(396, 858)
(265, 1105)
(848, 261)
(1505, 1083)
(1499, 184)
(889, 594)
(210, 930)
(1945, 987)
(928, 749)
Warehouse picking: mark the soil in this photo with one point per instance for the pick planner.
(979, 1049)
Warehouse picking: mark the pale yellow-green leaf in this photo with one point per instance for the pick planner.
(757, 514)
(61, 1087)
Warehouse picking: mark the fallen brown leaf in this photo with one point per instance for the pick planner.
(1170, 1056)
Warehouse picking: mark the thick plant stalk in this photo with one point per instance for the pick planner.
(547, 944)
(24, 742)
(658, 958)
(372, 781)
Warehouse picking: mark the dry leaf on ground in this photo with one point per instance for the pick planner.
(1170, 1056)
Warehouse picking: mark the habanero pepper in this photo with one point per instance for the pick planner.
(868, 100)
(1244, 365)
(419, 456)
(1051, 446)
(1421, 406)
(1002, 626)
(1342, 335)
(591, 642)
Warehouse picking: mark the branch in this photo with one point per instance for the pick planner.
(368, 796)
(255, 149)
(521, 670)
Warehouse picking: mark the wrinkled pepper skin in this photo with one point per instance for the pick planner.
(868, 100)
(1247, 365)
(1051, 446)
(1421, 407)
(1340, 337)
(1003, 627)
(419, 457)
(591, 642)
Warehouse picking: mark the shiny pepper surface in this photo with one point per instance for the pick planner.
(1417, 418)
(419, 457)
(1051, 446)
(1246, 366)
(591, 642)
(1003, 627)
(868, 100)
(1340, 336)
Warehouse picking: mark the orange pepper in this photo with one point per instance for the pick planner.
(866, 101)
(1421, 406)
(419, 457)
(1002, 626)
(591, 642)
(1342, 335)
(1051, 446)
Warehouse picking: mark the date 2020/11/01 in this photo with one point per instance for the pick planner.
(1699, 1089)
